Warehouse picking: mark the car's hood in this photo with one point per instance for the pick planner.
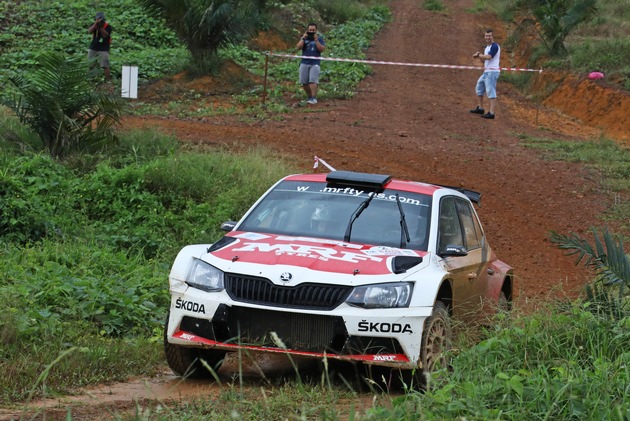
(305, 252)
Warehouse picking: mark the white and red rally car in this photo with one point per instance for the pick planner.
(344, 265)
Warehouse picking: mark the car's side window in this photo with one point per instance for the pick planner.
(472, 230)
(449, 230)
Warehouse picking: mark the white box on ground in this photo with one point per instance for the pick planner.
(129, 88)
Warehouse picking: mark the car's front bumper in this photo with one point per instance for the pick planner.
(389, 337)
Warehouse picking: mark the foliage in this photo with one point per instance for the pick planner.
(137, 39)
(610, 262)
(338, 12)
(205, 26)
(31, 197)
(434, 5)
(337, 79)
(85, 253)
(554, 20)
(560, 362)
(59, 103)
(600, 42)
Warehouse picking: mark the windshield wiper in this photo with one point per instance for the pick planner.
(355, 215)
(404, 231)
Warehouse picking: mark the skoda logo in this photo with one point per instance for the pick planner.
(286, 277)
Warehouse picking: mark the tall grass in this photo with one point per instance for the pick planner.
(561, 362)
(85, 252)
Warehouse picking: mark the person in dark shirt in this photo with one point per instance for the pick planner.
(312, 44)
(101, 32)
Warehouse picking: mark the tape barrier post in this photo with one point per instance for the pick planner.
(317, 160)
(264, 98)
(129, 88)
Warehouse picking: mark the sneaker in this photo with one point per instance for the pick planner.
(312, 101)
(477, 110)
(488, 115)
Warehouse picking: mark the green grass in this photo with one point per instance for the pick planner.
(268, 403)
(561, 362)
(86, 247)
(610, 161)
(434, 5)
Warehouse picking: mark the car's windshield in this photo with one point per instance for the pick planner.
(312, 209)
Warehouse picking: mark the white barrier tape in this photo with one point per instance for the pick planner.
(318, 160)
(443, 66)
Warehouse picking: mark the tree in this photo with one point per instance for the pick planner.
(554, 20)
(206, 25)
(59, 102)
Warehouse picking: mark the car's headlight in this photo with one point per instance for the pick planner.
(205, 277)
(381, 295)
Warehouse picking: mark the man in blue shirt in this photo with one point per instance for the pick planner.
(487, 82)
(312, 44)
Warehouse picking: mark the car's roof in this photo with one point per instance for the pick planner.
(395, 184)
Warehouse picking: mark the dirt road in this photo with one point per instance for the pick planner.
(414, 123)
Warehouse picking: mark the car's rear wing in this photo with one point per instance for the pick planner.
(474, 196)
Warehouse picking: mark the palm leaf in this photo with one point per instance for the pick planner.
(607, 258)
(60, 103)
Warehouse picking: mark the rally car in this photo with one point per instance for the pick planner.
(345, 265)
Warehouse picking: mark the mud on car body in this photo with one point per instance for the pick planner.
(350, 266)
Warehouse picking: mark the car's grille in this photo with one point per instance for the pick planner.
(304, 332)
(312, 296)
(307, 332)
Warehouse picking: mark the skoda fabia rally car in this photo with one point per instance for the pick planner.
(345, 265)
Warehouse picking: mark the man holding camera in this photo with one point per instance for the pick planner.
(312, 44)
(487, 82)
(101, 38)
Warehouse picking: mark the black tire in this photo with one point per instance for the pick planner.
(504, 304)
(187, 361)
(436, 343)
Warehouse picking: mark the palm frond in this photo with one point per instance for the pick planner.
(206, 25)
(60, 103)
(607, 258)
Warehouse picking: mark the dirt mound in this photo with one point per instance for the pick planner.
(593, 103)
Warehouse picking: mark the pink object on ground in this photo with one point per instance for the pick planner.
(595, 75)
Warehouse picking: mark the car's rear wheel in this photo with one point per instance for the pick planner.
(187, 361)
(436, 342)
(504, 303)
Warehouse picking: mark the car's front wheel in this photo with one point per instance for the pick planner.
(187, 361)
(436, 342)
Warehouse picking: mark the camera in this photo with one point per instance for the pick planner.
(310, 36)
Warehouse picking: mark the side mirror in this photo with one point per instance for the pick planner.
(228, 225)
(452, 250)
